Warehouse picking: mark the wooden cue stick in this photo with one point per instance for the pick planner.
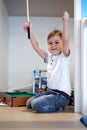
(27, 7)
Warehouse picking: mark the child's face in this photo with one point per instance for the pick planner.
(55, 45)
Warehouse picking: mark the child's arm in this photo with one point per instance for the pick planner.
(65, 19)
(34, 42)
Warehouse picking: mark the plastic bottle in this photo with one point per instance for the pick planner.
(36, 80)
(44, 80)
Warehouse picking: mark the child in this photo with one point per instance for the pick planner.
(57, 95)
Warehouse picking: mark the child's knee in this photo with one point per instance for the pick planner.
(36, 105)
(28, 104)
(33, 104)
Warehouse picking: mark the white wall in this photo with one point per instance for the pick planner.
(77, 40)
(3, 47)
(22, 58)
(83, 66)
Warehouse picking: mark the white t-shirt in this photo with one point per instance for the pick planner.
(58, 73)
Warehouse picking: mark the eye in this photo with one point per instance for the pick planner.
(50, 43)
(57, 42)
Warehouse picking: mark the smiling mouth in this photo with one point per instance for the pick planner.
(54, 49)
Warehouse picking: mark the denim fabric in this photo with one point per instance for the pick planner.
(48, 101)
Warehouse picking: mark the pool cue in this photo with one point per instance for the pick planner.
(27, 7)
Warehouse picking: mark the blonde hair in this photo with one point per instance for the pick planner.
(55, 32)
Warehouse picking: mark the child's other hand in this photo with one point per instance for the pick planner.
(65, 15)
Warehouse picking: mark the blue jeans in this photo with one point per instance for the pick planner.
(48, 101)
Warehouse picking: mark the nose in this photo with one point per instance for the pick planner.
(53, 44)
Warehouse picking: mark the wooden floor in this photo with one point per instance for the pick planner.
(20, 118)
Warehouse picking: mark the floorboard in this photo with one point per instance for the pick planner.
(21, 118)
